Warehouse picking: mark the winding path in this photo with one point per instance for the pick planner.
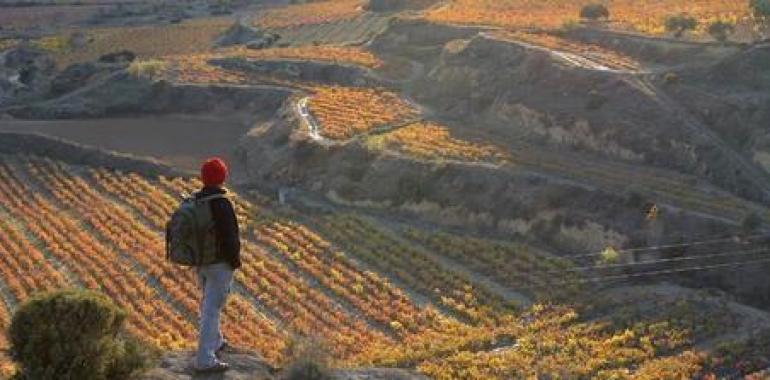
(313, 128)
(573, 59)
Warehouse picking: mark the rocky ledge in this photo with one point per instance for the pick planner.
(178, 366)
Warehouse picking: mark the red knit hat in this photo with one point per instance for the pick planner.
(214, 172)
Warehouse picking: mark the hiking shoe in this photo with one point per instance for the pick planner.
(215, 368)
(225, 348)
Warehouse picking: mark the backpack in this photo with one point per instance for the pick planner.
(190, 233)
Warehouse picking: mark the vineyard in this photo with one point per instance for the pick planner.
(510, 227)
(101, 229)
(345, 112)
(375, 295)
(558, 343)
(430, 141)
(643, 16)
(351, 31)
(517, 266)
(198, 68)
(319, 12)
(323, 53)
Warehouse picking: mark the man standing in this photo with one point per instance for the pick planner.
(216, 275)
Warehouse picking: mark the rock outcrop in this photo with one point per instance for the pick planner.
(24, 72)
(178, 366)
(241, 34)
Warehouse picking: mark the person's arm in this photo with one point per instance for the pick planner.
(228, 234)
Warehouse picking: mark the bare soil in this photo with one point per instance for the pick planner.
(180, 140)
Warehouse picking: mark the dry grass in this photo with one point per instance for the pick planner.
(194, 36)
(311, 13)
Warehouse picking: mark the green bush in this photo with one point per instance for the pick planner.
(761, 8)
(721, 30)
(594, 12)
(678, 24)
(72, 334)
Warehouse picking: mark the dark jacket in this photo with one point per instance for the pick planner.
(226, 224)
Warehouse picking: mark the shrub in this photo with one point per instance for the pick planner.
(681, 23)
(760, 8)
(148, 69)
(594, 12)
(72, 334)
(721, 30)
(308, 360)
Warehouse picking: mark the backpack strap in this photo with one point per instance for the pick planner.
(210, 198)
(200, 201)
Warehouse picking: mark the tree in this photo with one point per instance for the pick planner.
(721, 30)
(679, 24)
(595, 12)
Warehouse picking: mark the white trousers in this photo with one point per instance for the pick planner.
(215, 281)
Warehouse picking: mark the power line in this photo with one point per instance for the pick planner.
(669, 260)
(672, 271)
(678, 245)
(628, 276)
(607, 278)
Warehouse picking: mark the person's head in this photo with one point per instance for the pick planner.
(214, 172)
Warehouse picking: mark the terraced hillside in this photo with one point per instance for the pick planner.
(468, 188)
(316, 12)
(230, 66)
(353, 31)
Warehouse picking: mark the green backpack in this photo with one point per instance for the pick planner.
(190, 234)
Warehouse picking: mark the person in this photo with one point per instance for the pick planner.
(216, 278)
